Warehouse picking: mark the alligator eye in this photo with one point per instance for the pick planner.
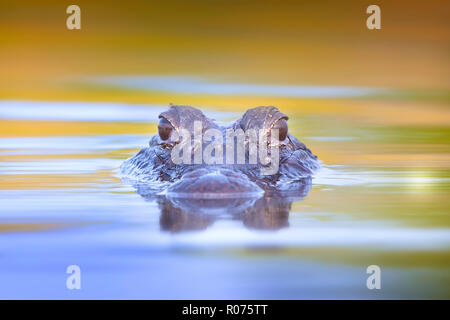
(282, 127)
(164, 129)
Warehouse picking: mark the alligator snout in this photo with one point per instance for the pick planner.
(214, 184)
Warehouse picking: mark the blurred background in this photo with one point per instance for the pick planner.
(372, 104)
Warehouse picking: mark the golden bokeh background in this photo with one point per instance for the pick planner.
(282, 42)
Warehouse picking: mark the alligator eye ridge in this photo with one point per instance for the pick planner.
(282, 127)
(164, 129)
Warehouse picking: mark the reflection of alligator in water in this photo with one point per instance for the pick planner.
(270, 212)
(193, 196)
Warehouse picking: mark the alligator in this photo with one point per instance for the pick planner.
(238, 169)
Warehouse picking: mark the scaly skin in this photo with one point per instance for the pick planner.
(153, 168)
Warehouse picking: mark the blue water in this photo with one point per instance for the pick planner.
(127, 248)
(197, 85)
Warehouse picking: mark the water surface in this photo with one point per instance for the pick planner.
(63, 203)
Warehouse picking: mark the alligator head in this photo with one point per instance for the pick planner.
(194, 157)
